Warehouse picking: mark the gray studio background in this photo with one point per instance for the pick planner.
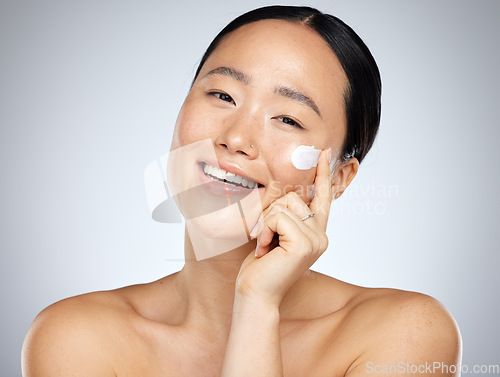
(89, 94)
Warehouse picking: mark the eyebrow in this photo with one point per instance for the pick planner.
(297, 96)
(230, 72)
(283, 91)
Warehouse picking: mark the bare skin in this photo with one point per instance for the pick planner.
(149, 330)
(244, 313)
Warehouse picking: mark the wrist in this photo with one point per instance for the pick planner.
(254, 306)
(245, 293)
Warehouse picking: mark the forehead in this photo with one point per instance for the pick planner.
(275, 52)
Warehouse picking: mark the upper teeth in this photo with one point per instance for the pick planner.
(230, 177)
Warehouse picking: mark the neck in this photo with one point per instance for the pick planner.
(208, 288)
(209, 284)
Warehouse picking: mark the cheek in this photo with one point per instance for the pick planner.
(192, 126)
(285, 177)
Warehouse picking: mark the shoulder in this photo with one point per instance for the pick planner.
(407, 331)
(75, 336)
(411, 313)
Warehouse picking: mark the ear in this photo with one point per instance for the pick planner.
(343, 175)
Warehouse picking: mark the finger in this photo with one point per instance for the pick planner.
(297, 210)
(268, 232)
(287, 203)
(271, 208)
(293, 202)
(257, 227)
(293, 237)
(287, 229)
(320, 205)
(275, 207)
(302, 231)
(292, 205)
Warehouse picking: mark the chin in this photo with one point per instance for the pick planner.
(226, 229)
(217, 232)
(223, 224)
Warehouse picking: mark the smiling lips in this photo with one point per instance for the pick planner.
(221, 175)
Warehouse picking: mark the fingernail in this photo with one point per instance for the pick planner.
(253, 232)
(257, 248)
(329, 155)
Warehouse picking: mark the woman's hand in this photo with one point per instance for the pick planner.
(278, 264)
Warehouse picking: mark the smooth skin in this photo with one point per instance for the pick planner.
(258, 310)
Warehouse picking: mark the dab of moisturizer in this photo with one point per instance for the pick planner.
(305, 157)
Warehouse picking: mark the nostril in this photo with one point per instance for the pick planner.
(236, 147)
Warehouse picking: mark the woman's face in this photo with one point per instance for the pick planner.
(269, 87)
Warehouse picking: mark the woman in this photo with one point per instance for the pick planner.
(275, 80)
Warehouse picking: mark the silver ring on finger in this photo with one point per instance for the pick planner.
(308, 216)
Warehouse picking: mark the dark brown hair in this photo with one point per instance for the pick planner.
(362, 98)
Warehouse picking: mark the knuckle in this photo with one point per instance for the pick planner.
(320, 243)
(316, 246)
(306, 249)
(294, 201)
(279, 217)
(277, 208)
(324, 242)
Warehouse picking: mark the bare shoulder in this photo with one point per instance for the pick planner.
(76, 336)
(404, 333)
(406, 312)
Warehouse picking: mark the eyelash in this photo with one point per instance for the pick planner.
(290, 122)
(286, 120)
(220, 94)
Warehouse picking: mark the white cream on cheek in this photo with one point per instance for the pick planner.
(305, 157)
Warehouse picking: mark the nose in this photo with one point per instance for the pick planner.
(239, 135)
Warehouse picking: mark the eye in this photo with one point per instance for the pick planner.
(222, 96)
(290, 122)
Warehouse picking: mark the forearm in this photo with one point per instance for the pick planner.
(253, 347)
